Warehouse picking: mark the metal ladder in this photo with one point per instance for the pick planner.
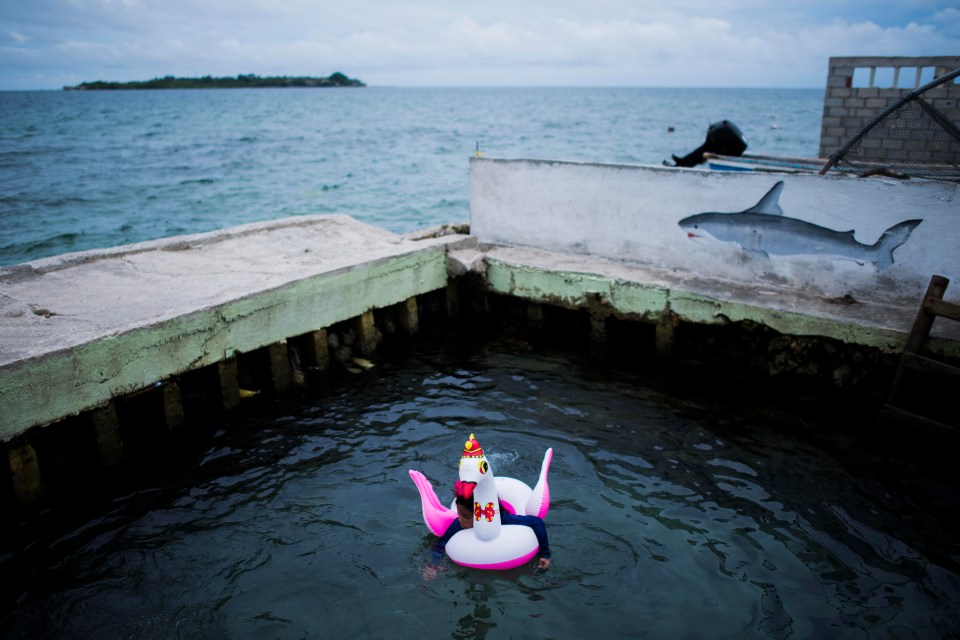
(913, 361)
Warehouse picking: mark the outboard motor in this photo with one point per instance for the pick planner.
(723, 138)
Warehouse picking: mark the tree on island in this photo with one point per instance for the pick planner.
(250, 80)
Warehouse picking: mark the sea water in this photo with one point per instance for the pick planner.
(84, 170)
(673, 515)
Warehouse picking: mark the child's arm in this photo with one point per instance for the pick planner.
(535, 523)
(440, 546)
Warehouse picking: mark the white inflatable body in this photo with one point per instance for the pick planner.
(489, 544)
(514, 545)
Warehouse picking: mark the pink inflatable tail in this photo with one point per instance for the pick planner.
(436, 516)
(539, 502)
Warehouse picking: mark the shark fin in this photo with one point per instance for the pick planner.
(770, 203)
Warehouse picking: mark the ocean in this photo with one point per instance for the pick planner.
(85, 170)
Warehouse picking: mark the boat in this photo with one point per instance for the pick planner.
(754, 162)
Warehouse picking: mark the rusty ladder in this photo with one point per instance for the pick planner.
(933, 305)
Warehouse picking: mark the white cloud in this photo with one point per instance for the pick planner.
(613, 42)
(948, 21)
(19, 38)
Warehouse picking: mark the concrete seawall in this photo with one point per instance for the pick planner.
(84, 328)
(82, 332)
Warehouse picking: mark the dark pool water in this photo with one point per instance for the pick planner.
(671, 518)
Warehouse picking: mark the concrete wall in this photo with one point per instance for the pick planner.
(848, 106)
(104, 353)
(631, 213)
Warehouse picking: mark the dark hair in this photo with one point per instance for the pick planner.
(465, 502)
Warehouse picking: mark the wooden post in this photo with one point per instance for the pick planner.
(535, 315)
(598, 332)
(173, 415)
(452, 299)
(410, 316)
(25, 473)
(229, 385)
(106, 430)
(921, 329)
(315, 352)
(279, 363)
(367, 334)
(664, 335)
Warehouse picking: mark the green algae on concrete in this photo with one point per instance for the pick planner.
(647, 294)
(575, 290)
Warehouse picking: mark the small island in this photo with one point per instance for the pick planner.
(247, 81)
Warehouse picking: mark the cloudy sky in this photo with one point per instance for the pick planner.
(46, 44)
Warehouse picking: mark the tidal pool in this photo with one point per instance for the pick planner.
(671, 517)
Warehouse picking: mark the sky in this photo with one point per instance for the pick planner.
(47, 44)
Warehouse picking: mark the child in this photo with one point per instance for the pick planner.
(464, 494)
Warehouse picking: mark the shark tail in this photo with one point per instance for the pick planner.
(891, 239)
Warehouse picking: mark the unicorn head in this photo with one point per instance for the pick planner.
(475, 468)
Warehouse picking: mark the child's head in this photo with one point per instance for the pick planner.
(464, 515)
(464, 493)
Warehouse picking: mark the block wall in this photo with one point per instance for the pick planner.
(860, 88)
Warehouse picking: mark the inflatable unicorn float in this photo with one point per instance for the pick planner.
(489, 544)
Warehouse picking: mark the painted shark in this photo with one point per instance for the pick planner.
(764, 230)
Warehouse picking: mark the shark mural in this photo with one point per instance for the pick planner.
(764, 230)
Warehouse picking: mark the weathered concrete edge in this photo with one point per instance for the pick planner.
(651, 302)
(61, 384)
(172, 243)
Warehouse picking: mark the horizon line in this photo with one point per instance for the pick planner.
(425, 86)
